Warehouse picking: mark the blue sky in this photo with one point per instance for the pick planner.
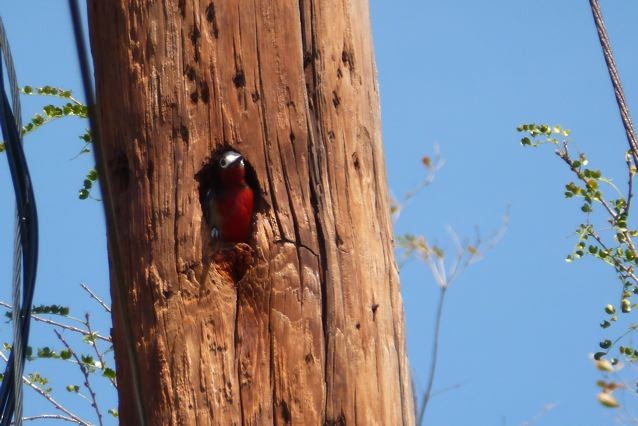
(519, 326)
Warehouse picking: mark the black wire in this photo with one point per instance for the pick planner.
(109, 213)
(28, 224)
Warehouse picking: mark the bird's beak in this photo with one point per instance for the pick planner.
(239, 161)
(233, 158)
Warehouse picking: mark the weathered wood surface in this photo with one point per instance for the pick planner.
(314, 331)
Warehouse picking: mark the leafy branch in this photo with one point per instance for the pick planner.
(611, 241)
(70, 107)
(59, 319)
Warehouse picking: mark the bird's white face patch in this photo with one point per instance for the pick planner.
(228, 159)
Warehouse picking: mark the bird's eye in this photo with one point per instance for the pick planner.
(223, 162)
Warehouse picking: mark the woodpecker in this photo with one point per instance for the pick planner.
(228, 204)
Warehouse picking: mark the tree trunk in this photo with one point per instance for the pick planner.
(303, 325)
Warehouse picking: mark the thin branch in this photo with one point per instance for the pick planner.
(630, 184)
(626, 269)
(106, 307)
(546, 409)
(435, 352)
(62, 325)
(49, 398)
(447, 389)
(465, 256)
(50, 417)
(84, 150)
(564, 155)
(85, 373)
(432, 169)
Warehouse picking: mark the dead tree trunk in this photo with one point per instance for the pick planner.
(313, 332)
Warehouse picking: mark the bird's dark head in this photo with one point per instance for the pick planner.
(230, 159)
(229, 168)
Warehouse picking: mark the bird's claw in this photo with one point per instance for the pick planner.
(214, 233)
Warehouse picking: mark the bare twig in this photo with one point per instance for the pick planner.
(432, 168)
(447, 389)
(546, 409)
(106, 307)
(85, 373)
(62, 325)
(435, 352)
(466, 254)
(49, 398)
(50, 417)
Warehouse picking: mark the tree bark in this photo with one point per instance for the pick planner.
(303, 325)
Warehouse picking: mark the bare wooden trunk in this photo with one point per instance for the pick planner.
(313, 333)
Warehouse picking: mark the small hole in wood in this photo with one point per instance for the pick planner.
(285, 412)
(374, 308)
(210, 17)
(183, 131)
(336, 100)
(355, 161)
(190, 73)
(240, 79)
(120, 170)
(194, 35)
(203, 90)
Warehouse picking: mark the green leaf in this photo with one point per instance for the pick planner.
(46, 352)
(89, 338)
(73, 388)
(86, 136)
(87, 359)
(109, 373)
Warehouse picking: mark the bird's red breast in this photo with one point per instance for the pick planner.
(234, 207)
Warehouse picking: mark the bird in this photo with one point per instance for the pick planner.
(229, 202)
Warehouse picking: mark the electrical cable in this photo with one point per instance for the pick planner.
(17, 247)
(26, 253)
(615, 79)
(109, 214)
